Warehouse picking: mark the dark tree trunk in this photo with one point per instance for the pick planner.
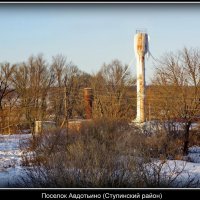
(186, 138)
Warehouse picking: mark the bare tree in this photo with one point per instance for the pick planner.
(6, 88)
(113, 88)
(177, 82)
(32, 81)
(68, 85)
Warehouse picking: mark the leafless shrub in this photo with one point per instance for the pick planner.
(104, 153)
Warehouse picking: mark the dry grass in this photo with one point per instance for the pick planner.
(104, 153)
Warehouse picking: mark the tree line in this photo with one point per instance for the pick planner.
(36, 90)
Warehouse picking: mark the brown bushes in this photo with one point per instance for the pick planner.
(104, 153)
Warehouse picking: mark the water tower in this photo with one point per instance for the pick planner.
(141, 48)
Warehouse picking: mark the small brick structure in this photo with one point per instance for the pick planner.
(73, 124)
(41, 126)
(88, 98)
(76, 124)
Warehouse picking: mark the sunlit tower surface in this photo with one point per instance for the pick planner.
(141, 48)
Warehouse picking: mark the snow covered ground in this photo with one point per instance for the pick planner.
(174, 173)
(11, 168)
(187, 172)
(10, 158)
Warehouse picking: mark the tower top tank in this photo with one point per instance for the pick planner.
(141, 44)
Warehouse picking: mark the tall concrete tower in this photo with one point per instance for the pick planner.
(141, 48)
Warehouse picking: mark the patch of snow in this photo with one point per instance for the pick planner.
(10, 158)
(194, 149)
(186, 173)
(174, 173)
(190, 173)
(193, 154)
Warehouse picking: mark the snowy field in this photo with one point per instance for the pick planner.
(11, 168)
(10, 158)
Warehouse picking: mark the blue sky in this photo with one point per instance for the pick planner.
(91, 34)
